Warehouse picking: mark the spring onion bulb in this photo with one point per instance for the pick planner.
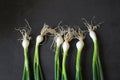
(25, 31)
(38, 75)
(96, 64)
(80, 44)
(67, 38)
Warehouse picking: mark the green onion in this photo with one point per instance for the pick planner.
(67, 37)
(80, 44)
(38, 75)
(25, 31)
(96, 64)
(36, 64)
(58, 41)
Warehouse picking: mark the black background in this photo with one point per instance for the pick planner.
(70, 12)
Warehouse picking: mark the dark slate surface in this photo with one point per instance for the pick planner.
(70, 12)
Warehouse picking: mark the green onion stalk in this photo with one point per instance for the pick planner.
(25, 31)
(96, 63)
(80, 44)
(67, 37)
(38, 75)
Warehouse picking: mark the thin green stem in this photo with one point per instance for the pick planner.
(57, 64)
(96, 65)
(94, 62)
(58, 69)
(100, 68)
(64, 74)
(36, 65)
(78, 67)
(26, 73)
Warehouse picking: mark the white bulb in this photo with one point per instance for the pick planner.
(39, 39)
(80, 44)
(25, 43)
(65, 46)
(92, 35)
(59, 40)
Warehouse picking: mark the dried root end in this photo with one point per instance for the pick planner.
(25, 31)
(79, 34)
(57, 33)
(44, 30)
(52, 31)
(69, 35)
(90, 26)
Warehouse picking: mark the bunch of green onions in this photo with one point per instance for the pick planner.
(58, 39)
(96, 64)
(61, 37)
